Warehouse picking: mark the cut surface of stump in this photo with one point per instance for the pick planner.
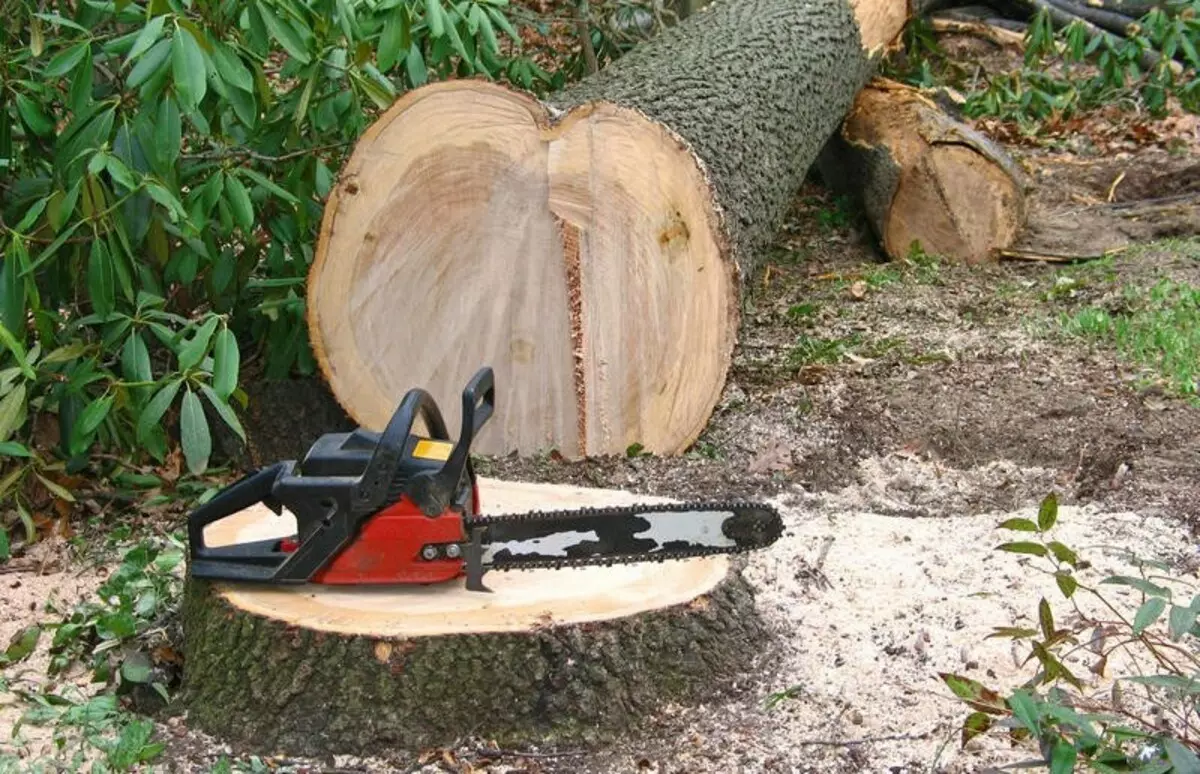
(592, 247)
(551, 655)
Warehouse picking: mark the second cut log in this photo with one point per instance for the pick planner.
(924, 178)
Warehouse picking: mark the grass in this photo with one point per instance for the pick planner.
(1156, 327)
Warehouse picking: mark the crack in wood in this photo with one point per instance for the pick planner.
(570, 235)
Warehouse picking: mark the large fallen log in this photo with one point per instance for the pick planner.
(924, 178)
(574, 656)
(590, 247)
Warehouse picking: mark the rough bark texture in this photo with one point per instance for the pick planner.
(755, 87)
(269, 686)
(922, 176)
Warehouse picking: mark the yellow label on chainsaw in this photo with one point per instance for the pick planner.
(432, 450)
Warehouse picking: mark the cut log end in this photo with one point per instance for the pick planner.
(550, 656)
(582, 259)
(925, 178)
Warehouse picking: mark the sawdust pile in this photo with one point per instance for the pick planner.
(871, 607)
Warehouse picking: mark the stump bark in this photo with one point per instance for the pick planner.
(925, 178)
(552, 656)
(590, 247)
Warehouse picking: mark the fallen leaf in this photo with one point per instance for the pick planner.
(858, 290)
(777, 457)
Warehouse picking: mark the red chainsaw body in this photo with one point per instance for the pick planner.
(387, 550)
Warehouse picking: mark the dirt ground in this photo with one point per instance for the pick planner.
(896, 413)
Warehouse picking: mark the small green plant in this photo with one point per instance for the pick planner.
(1157, 327)
(1070, 69)
(811, 350)
(120, 635)
(1069, 725)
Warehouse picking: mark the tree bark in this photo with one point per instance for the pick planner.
(925, 178)
(590, 247)
(551, 656)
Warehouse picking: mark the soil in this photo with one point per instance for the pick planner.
(896, 413)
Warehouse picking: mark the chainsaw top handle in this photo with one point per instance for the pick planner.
(433, 492)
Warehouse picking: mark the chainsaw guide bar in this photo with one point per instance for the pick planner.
(399, 508)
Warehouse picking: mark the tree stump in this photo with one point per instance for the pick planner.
(552, 656)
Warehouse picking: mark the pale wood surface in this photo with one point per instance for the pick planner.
(579, 260)
(521, 600)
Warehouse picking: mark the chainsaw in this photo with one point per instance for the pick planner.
(401, 507)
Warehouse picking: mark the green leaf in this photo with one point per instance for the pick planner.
(66, 60)
(34, 117)
(14, 449)
(5, 550)
(434, 18)
(1046, 618)
(973, 693)
(225, 411)
(1062, 553)
(976, 723)
(156, 407)
(1023, 547)
(1066, 583)
(1012, 632)
(347, 20)
(18, 352)
(1024, 525)
(89, 419)
(1183, 760)
(1048, 512)
(12, 411)
(136, 668)
(239, 202)
(1180, 621)
(22, 645)
(119, 172)
(56, 489)
(226, 362)
(150, 64)
(193, 433)
(389, 39)
(1148, 613)
(1140, 584)
(231, 68)
(168, 132)
(414, 65)
(100, 279)
(489, 34)
(188, 68)
(135, 359)
(267, 184)
(193, 350)
(503, 23)
(1062, 759)
(12, 286)
(285, 33)
(1190, 687)
(1025, 710)
(146, 38)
